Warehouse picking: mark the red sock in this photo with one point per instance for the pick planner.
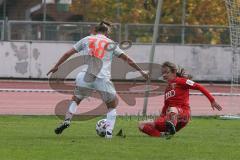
(150, 130)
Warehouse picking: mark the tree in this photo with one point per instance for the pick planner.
(198, 12)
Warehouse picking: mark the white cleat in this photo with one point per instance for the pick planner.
(108, 135)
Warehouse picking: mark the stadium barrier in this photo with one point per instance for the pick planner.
(34, 59)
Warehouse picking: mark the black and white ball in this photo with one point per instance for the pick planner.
(101, 127)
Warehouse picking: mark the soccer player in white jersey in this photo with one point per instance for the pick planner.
(100, 50)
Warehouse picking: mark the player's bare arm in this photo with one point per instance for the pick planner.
(65, 56)
(134, 65)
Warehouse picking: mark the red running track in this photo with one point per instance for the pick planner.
(44, 103)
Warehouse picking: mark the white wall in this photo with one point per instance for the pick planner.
(24, 59)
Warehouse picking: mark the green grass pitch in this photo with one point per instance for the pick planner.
(32, 138)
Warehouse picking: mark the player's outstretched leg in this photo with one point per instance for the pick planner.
(148, 128)
(69, 115)
(160, 127)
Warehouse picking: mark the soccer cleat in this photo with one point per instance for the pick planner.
(63, 126)
(108, 135)
(170, 128)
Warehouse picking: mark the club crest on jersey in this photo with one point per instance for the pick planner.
(169, 94)
(189, 82)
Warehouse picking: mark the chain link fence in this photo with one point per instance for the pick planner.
(68, 20)
(54, 31)
(137, 33)
(178, 34)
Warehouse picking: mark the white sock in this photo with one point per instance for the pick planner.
(111, 118)
(71, 110)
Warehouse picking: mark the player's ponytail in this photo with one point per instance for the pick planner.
(180, 72)
(103, 27)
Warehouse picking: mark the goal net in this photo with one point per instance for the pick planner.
(233, 10)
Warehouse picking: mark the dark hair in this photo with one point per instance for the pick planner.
(180, 72)
(103, 27)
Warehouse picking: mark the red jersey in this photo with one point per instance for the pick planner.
(177, 93)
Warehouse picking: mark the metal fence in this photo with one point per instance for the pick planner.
(54, 31)
(179, 34)
(137, 33)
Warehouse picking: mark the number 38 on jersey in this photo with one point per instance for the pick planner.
(97, 47)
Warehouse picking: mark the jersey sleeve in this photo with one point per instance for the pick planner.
(79, 46)
(117, 52)
(202, 89)
(195, 86)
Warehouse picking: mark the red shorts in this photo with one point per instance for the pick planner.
(183, 119)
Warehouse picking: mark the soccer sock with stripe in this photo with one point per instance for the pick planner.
(71, 110)
(111, 118)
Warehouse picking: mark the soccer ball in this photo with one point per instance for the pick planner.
(101, 127)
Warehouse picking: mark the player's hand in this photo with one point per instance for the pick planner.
(145, 75)
(214, 105)
(53, 70)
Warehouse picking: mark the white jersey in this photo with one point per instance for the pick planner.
(100, 51)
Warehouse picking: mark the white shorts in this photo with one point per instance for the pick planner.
(85, 86)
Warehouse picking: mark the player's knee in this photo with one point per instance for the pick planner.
(112, 104)
(172, 110)
(76, 99)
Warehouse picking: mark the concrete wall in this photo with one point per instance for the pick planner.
(33, 60)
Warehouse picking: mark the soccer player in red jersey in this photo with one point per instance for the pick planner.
(176, 111)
